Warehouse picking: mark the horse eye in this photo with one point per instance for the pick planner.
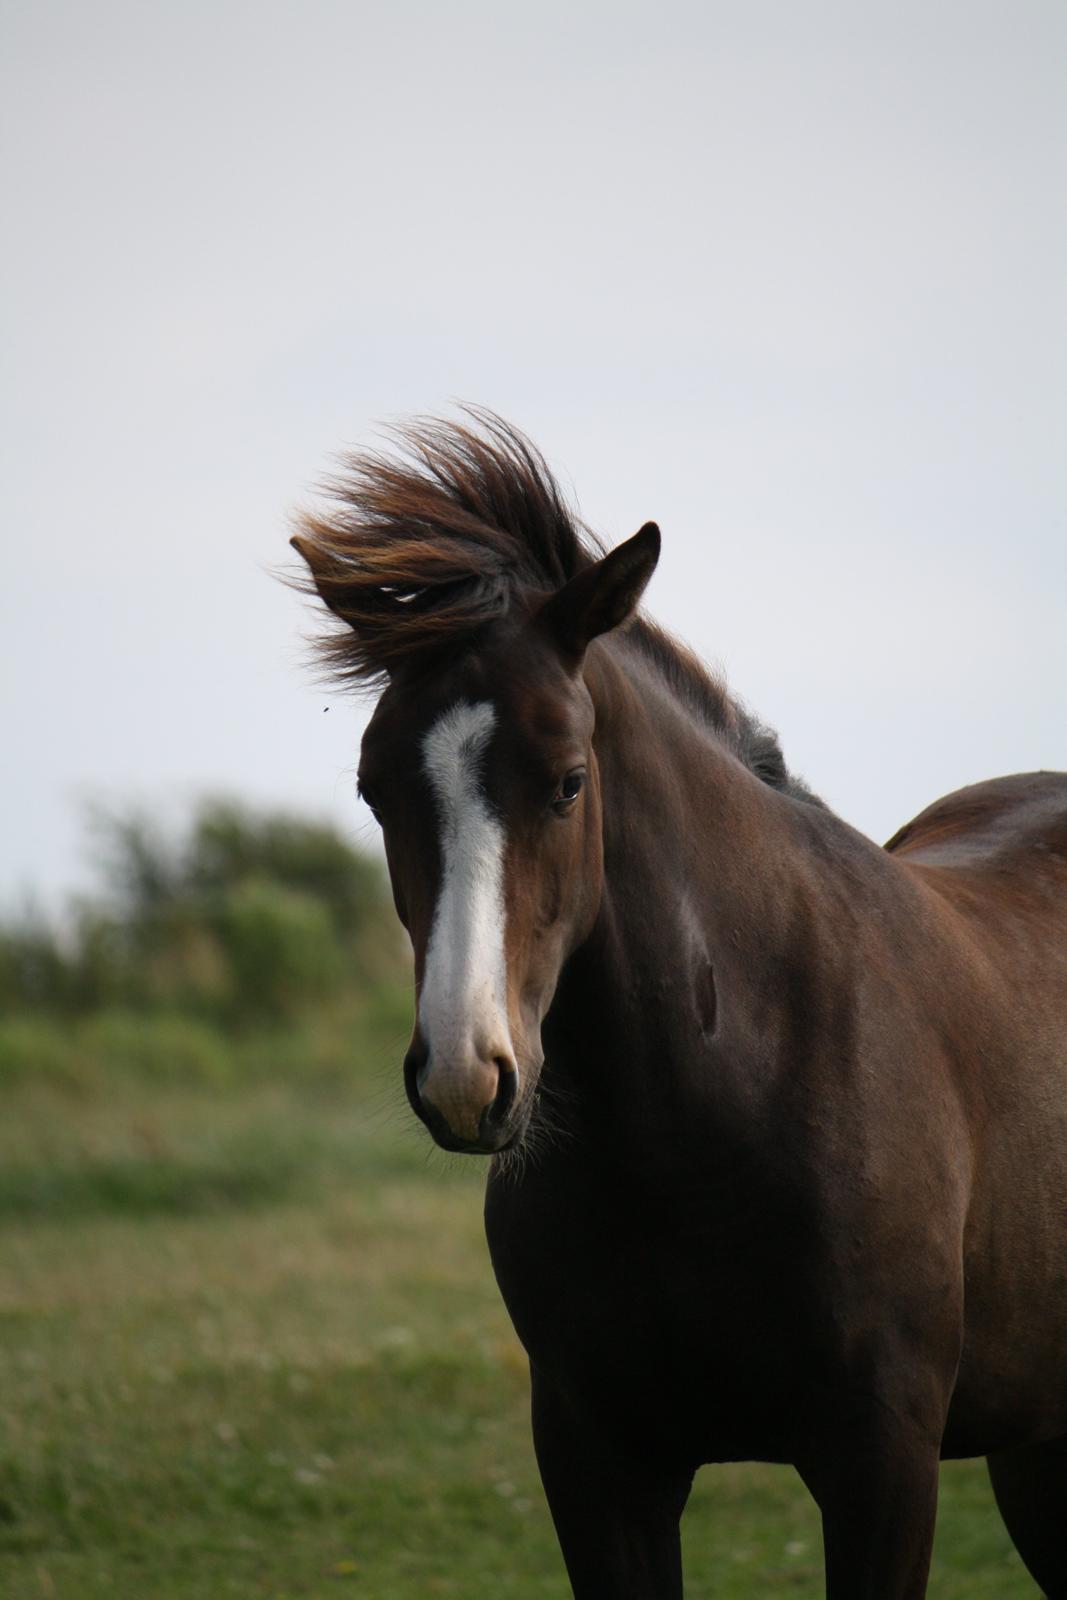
(369, 803)
(568, 792)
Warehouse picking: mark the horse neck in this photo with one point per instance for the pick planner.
(692, 838)
(714, 899)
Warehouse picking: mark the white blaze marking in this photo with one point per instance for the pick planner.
(463, 1010)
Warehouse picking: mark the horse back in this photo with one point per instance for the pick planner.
(992, 860)
(1015, 825)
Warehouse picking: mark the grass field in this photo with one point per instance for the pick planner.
(250, 1346)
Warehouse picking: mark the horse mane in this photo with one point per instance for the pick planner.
(418, 550)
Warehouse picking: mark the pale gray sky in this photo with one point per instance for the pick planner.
(786, 277)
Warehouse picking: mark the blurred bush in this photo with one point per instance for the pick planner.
(248, 918)
(34, 1047)
(158, 1047)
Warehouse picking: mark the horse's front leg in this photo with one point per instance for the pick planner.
(875, 1482)
(617, 1519)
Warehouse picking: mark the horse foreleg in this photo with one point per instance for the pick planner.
(1030, 1484)
(617, 1520)
(876, 1487)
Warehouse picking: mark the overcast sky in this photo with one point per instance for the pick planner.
(786, 277)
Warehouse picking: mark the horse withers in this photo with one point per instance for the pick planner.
(777, 1118)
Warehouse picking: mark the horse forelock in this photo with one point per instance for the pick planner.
(417, 551)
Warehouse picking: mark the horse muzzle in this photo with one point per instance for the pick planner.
(469, 1100)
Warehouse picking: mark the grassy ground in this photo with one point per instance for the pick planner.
(250, 1346)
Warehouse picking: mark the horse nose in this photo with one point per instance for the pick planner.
(465, 1101)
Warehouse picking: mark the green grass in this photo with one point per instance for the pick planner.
(250, 1346)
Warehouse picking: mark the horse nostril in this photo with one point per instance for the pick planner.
(497, 1112)
(416, 1063)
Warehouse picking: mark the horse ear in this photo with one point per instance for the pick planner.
(324, 574)
(603, 595)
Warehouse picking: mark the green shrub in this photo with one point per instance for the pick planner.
(249, 916)
(231, 845)
(281, 948)
(99, 962)
(37, 1048)
(160, 1047)
(185, 968)
(33, 968)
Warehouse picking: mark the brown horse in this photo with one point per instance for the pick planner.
(778, 1118)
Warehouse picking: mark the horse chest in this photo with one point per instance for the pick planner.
(678, 1327)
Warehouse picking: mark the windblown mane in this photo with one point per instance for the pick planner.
(418, 550)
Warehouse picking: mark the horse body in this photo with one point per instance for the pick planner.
(780, 1116)
(808, 1198)
(821, 1112)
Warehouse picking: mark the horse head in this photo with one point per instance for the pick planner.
(478, 764)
